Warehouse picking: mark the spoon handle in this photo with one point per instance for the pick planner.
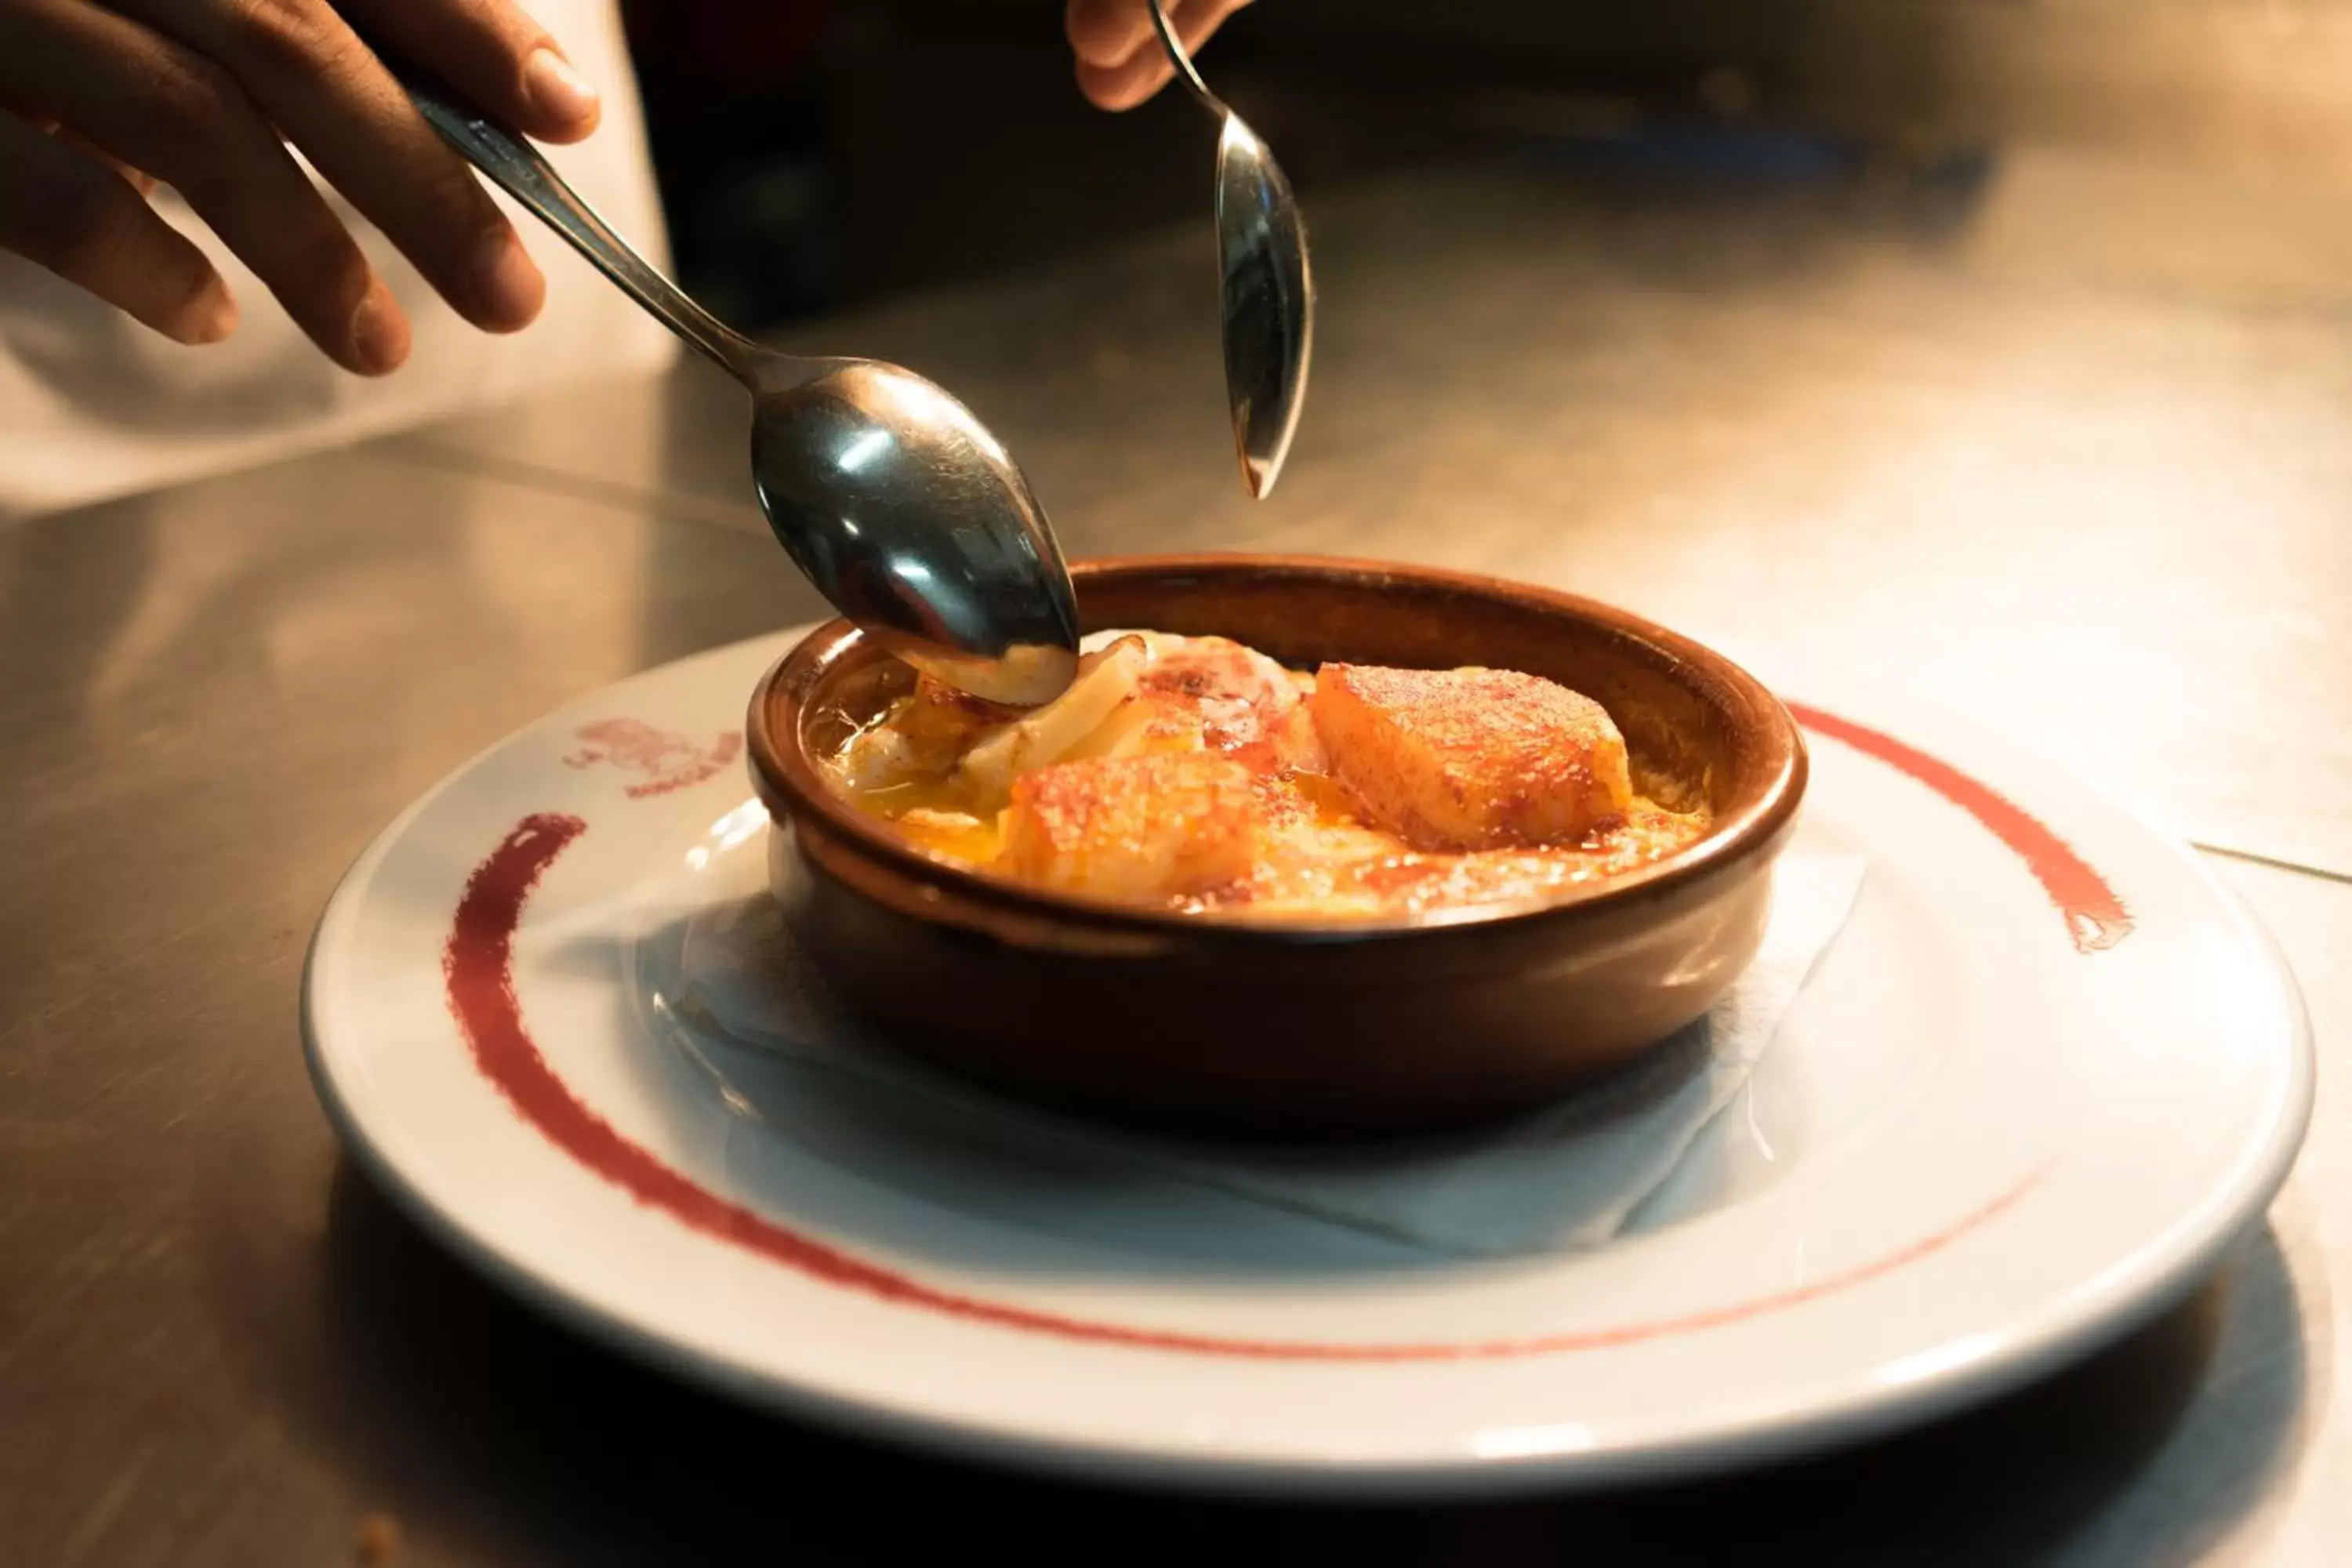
(1185, 72)
(518, 168)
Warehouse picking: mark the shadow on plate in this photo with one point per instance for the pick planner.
(494, 1431)
(934, 1181)
(1027, 1189)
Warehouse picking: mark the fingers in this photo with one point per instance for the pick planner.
(141, 181)
(494, 54)
(198, 92)
(1105, 32)
(158, 106)
(1121, 60)
(309, 74)
(65, 209)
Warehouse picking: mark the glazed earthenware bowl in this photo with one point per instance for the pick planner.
(1217, 1027)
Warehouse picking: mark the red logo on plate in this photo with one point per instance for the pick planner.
(662, 761)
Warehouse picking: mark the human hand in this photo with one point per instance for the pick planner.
(1120, 62)
(99, 101)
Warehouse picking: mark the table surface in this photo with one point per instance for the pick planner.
(2054, 437)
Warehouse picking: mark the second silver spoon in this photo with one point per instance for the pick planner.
(1268, 290)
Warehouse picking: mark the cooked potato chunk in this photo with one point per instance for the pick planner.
(1143, 828)
(1105, 679)
(1147, 722)
(1238, 692)
(1471, 758)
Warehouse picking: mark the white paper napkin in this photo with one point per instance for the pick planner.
(1566, 1177)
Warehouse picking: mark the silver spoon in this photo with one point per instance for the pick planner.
(898, 504)
(1269, 291)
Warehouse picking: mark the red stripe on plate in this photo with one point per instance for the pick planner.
(2095, 916)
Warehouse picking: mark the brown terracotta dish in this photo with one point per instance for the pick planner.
(1294, 1031)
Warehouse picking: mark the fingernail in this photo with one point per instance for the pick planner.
(214, 316)
(557, 91)
(508, 288)
(379, 332)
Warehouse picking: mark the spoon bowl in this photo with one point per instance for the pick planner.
(1268, 302)
(878, 482)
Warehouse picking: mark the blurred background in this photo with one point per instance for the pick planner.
(817, 154)
(1709, 307)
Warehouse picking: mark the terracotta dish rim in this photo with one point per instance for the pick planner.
(794, 786)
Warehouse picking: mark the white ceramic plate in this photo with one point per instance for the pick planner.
(2049, 1070)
